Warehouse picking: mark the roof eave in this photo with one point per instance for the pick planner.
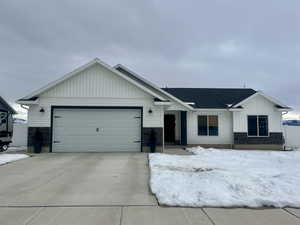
(210, 109)
(236, 109)
(27, 102)
(288, 109)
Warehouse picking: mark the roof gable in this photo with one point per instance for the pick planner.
(276, 103)
(96, 82)
(83, 68)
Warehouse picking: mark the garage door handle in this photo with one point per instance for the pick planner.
(137, 141)
(137, 117)
(56, 141)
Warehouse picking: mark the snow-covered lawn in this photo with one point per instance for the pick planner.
(6, 158)
(227, 178)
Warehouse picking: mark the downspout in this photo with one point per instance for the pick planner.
(233, 122)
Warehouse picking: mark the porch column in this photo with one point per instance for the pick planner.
(183, 136)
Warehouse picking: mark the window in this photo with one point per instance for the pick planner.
(258, 126)
(213, 125)
(263, 129)
(208, 126)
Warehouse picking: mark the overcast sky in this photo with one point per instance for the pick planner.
(213, 43)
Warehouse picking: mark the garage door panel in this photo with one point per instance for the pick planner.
(94, 124)
(88, 140)
(125, 112)
(101, 134)
(96, 130)
(95, 148)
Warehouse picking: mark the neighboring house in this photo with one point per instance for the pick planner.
(6, 124)
(291, 122)
(291, 136)
(100, 108)
(291, 130)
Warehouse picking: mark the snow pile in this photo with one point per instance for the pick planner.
(16, 148)
(6, 158)
(227, 178)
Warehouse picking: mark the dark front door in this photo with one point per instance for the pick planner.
(170, 128)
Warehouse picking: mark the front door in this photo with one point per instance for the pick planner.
(169, 128)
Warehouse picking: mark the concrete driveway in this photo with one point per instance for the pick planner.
(81, 179)
(104, 188)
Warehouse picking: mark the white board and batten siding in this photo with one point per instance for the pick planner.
(225, 128)
(95, 86)
(257, 106)
(96, 130)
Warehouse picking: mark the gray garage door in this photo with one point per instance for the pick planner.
(96, 130)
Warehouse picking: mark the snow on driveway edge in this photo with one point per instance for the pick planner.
(8, 158)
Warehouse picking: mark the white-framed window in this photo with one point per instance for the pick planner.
(258, 125)
(208, 125)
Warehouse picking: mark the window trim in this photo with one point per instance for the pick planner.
(207, 126)
(257, 125)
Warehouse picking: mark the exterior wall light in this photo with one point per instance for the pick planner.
(150, 111)
(42, 110)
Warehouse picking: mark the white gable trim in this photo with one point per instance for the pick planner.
(185, 104)
(275, 101)
(82, 68)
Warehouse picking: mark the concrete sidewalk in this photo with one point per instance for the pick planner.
(146, 215)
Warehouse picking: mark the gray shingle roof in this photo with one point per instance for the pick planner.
(215, 98)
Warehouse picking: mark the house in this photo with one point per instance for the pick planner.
(6, 124)
(291, 122)
(99, 108)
